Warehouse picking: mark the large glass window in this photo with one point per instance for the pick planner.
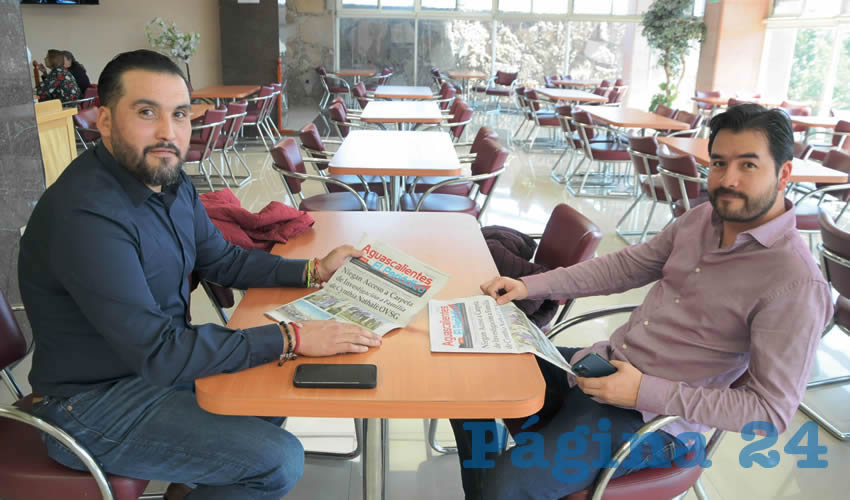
(812, 55)
(360, 4)
(597, 49)
(453, 44)
(515, 5)
(841, 93)
(534, 48)
(378, 42)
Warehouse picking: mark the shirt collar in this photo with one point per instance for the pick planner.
(137, 191)
(768, 233)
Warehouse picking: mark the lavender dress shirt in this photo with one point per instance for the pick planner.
(713, 313)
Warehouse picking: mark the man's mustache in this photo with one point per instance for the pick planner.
(162, 145)
(722, 190)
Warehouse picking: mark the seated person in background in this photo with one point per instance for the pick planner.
(78, 70)
(56, 81)
(736, 290)
(103, 270)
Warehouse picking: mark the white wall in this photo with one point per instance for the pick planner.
(96, 33)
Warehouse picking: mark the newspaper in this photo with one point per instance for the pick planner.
(478, 324)
(380, 291)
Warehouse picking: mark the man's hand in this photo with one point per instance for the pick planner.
(620, 389)
(326, 338)
(513, 289)
(332, 261)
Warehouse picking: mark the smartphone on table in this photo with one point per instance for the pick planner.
(350, 376)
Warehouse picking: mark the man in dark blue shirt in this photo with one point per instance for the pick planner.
(103, 272)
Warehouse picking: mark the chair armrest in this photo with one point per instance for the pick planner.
(683, 132)
(588, 316)
(66, 440)
(326, 180)
(455, 180)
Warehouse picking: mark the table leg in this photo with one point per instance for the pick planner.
(395, 191)
(375, 454)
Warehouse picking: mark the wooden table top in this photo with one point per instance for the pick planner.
(466, 74)
(391, 152)
(815, 121)
(200, 109)
(577, 83)
(403, 92)
(225, 92)
(801, 170)
(356, 72)
(571, 95)
(633, 118)
(412, 381)
(402, 112)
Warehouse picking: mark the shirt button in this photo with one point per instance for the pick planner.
(70, 407)
(646, 323)
(676, 300)
(625, 346)
(697, 270)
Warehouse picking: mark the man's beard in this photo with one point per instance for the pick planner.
(160, 174)
(752, 209)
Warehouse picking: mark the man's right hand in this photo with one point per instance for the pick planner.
(505, 289)
(326, 338)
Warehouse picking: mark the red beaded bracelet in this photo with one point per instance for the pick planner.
(295, 328)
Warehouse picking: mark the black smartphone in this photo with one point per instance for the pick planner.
(592, 366)
(336, 376)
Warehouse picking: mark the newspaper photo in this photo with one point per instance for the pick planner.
(478, 324)
(380, 291)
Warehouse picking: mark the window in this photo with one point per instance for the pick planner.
(592, 6)
(534, 48)
(453, 44)
(360, 4)
(549, 7)
(377, 42)
(515, 5)
(597, 49)
(787, 7)
(460, 5)
(841, 93)
(812, 54)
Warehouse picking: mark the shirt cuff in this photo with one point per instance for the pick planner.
(536, 286)
(290, 272)
(653, 394)
(265, 344)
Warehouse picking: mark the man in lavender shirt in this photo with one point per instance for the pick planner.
(736, 290)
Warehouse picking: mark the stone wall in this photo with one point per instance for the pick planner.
(308, 35)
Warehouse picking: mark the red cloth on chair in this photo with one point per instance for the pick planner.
(276, 223)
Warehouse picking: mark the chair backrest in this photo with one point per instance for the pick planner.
(837, 159)
(567, 112)
(211, 133)
(602, 91)
(620, 82)
(532, 100)
(734, 102)
(447, 91)
(311, 138)
(489, 158)
(692, 119)
(484, 132)
(802, 150)
(92, 92)
(86, 118)
(836, 254)
(286, 156)
(338, 115)
(321, 70)
(547, 81)
(841, 141)
(684, 165)
(606, 83)
(462, 113)
(235, 115)
(709, 93)
(614, 96)
(360, 94)
(569, 238)
(584, 118)
(505, 78)
(664, 111)
(13, 344)
(644, 153)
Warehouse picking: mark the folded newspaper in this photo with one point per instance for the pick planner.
(380, 291)
(478, 324)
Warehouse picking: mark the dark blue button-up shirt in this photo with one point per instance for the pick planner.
(103, 273)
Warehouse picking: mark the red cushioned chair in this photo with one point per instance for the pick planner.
(693, 120)
(229, 137)
(597, 148)
(808, 207)
(332, 85)
(287, 160)
(683, 186)
(259, 109)
(85, 126)
(665, 111)
(423, 184)
(205, 137)
(541, 113)
(319, 156)
(341, 121)
(502, 84)
(488, 166)
(26, 472)
(460, 116)
(838, 139)
(373, 82)
(644, 153)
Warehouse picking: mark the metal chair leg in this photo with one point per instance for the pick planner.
(432, 439)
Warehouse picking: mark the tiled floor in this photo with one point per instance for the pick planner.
(523, 199)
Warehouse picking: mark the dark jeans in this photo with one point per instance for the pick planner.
(138, 430)
(566, 468)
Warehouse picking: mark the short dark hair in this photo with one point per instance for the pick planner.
(773, 123)
(68, 55)
(55, 58)
(109, 88)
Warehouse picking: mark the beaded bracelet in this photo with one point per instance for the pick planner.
(290, 346)
(296, 328)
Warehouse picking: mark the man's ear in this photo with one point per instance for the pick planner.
(104, 122)
(784, 175)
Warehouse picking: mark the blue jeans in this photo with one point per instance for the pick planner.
(564, 410)
(138, 430)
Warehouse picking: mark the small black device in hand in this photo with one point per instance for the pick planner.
(349, 376)
(592, 366)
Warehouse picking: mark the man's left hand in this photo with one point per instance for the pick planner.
(620, 389)
(332, 261)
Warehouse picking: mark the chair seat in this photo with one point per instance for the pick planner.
(479, 88)
(440, 203)
(27, 472)
(195, 152)
(459, 189)
(679, 205)
(609, 151)
(338, 90)
(373, 181)
(842, 312)
(250, 118)
(338, 202)
(500, 91)
(807, 216)
(647, 484)
(548, 121)
(646, 187)
(818, 155)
